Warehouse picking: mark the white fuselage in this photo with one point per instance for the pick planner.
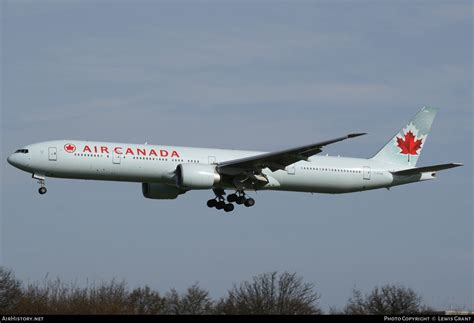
(157, 164)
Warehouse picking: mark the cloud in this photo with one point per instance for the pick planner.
(68, 112)
(185, 51)
(454, 12)
(292, 95)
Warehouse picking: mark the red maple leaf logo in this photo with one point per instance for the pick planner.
(409, 145)
(70, 148)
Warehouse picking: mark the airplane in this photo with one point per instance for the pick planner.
(168, 171)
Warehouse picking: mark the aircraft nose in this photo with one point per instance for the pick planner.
(12, 160)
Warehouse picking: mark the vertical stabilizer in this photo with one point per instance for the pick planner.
(405, 147)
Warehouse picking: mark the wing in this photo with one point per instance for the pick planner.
(276, 160)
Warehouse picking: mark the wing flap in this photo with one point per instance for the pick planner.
(418, 170)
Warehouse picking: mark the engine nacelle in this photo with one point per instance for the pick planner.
(196, 176)
(159, 191)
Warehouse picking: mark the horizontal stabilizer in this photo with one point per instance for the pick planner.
(418, 170)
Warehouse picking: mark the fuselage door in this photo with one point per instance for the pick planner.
(366, 172)
(116, 158)
(52, 153)
(290, 170)
(212, 160)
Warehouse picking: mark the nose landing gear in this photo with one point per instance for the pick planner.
(42, 190)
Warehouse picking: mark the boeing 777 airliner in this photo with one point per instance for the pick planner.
(167, 171)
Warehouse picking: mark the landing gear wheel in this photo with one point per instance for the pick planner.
(220, 205)
(249, 202)
(212, 203)
(229, 207)
(240, 200)
(232, 198)
(42, 190)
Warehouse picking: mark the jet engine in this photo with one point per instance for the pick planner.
(160, 191)
(196, 176)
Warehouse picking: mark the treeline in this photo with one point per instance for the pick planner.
(268, 293)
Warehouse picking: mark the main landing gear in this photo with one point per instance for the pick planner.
(238, 197)
(220, 204)
(42, 190)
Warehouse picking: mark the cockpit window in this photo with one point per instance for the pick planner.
(22, 151)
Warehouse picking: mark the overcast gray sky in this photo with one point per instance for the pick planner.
(240, 74)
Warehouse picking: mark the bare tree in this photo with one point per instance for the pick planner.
(271, 293)
(195, 301)
(268, 293)
(109, 298)
(56, 297)
(10, 290)
(386, 300)
(145, 301)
